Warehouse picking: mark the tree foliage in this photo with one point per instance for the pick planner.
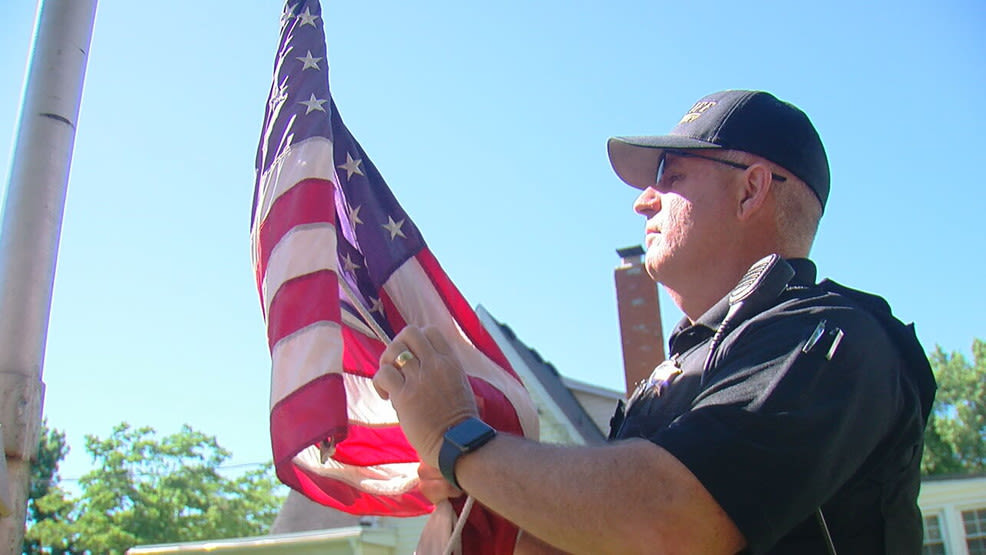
(145, 490)
(44, 480)
(955, 439)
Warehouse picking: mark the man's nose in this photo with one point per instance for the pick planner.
(648, 203)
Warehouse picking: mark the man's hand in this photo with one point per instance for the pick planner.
(429, 391)
(434, 486)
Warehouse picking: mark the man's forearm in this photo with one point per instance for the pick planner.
(527, 544)
(628, 497)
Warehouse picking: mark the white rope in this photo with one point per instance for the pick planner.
(459, 525)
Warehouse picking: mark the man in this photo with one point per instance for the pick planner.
(789, 417)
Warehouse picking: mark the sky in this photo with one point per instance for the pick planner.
(489, 121)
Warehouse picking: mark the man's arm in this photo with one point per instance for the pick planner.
(527, 544)
(437, 489)
(626, 497)
(629, 497)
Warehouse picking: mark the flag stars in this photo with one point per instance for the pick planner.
(309, 61)
(307, 18)
(376, 305)
(313, 104)
(348, 264)
(354, 216)
(351, 166)
(394, 228)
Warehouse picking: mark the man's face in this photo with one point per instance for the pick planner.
(688, 217)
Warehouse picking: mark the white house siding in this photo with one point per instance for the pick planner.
(954, 510)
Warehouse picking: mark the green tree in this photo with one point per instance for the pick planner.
(44, 480)
(145, 490)
(955, 439)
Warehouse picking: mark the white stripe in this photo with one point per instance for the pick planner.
(420, 305)
(311, 158)
(364, 406)
(314, 351)
(351, 321)
(303, 356)
(303, 250)
(384, 479)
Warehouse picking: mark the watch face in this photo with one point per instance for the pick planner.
(470, 433)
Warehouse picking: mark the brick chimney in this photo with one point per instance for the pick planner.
(640, 317)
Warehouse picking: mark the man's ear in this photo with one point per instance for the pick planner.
(757, 181)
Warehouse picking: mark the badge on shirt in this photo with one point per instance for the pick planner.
(659, 379)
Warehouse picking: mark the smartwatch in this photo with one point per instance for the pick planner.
(464, 437)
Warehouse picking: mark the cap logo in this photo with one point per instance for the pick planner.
(697, 110)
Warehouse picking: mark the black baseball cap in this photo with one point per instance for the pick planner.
(750, 121)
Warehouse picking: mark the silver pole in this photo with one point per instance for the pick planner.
(32, 222)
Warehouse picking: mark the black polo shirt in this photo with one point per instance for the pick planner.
(806, 403)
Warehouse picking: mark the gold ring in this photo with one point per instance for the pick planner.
(403, 358)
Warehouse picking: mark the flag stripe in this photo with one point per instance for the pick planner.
(316, 347)
(345, 489)
(368, 446)
(299, 253)
(301, 302)
(293, 416)
(389, 479)
(454, 301)
(366, 407)
(421, 303)
(311, 158)
(310, 201)
(359, 349)
(303, 357)
(392, 310)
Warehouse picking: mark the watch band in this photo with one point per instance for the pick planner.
(464, 437)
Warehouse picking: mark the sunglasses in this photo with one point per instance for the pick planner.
(686, 154)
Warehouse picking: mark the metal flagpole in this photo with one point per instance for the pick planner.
(31, 225)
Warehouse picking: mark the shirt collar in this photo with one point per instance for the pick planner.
(687, 334)
(804, 271)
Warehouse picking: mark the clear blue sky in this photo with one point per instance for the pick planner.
(489, 121)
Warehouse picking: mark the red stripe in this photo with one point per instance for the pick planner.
(311, 413)
(494, 407)
(394, 317)
(366, 446)
(301, 302)
(317, 411)
(309, 201)
(462, 312)
(361, 354)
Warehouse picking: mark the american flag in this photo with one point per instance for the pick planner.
(323, 218)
